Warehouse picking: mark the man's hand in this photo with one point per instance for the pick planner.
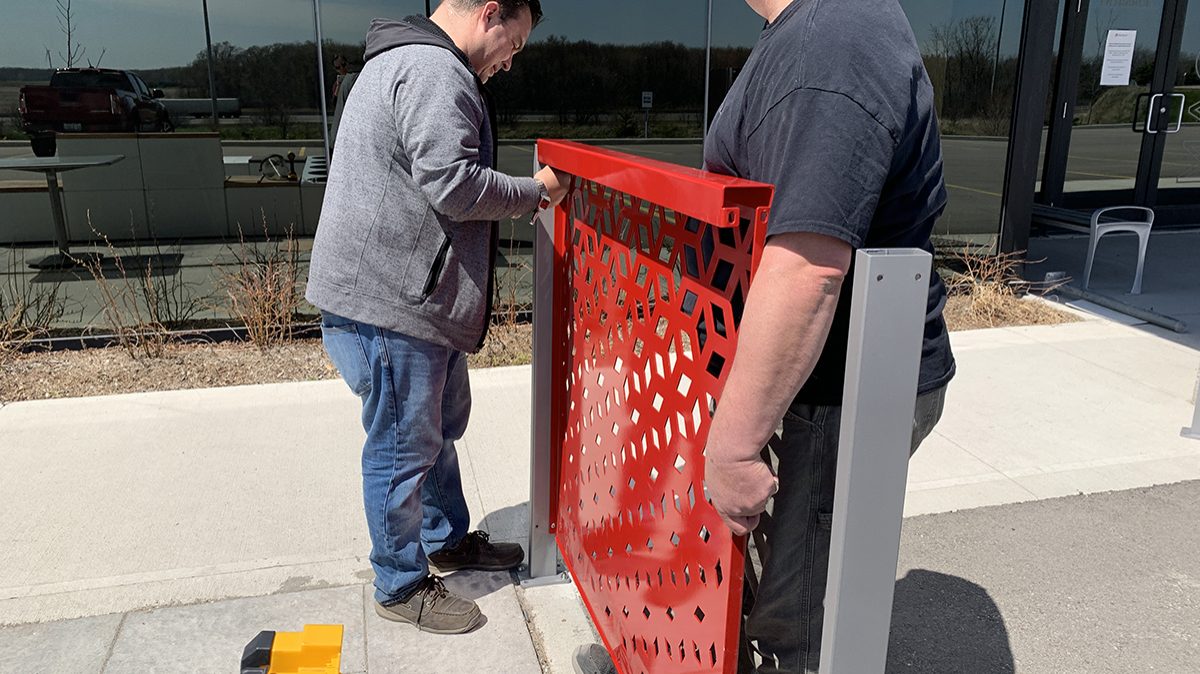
(739, 484)
(788, 313)
(556, 182)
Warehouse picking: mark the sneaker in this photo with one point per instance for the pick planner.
(433, 608)
(475, 552)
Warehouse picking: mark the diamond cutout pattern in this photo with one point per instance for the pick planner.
(652, 299)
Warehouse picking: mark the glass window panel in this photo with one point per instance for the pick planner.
(1105, 151)
(735, 31)
(584, 71)
(1050, 95)
(970, 50)
(1181, 158)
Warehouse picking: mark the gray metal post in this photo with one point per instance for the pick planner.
(543, 554)
(996, 61)
(707, 66)
(56, 208)
(1194, 431)
(212, 79)
(882, 362)
(321, 78)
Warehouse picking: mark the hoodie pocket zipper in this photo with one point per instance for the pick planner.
(435, 272)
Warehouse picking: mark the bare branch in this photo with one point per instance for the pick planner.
(66, 25)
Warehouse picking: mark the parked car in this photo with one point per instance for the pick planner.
(95, 100)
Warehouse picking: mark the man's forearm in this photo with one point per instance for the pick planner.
(783, 331)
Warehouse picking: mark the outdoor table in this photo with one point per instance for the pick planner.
(52, 166)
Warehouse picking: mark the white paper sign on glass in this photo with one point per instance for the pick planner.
(1118, 58)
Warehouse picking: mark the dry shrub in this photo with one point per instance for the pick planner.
(136, 331)
(510, 337)
(989, 292)
(143, 301)
(506, 344)
(262, 289)
(27, 312)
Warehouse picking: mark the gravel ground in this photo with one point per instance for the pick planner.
(94, 372)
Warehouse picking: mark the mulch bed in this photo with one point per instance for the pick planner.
(94, 372)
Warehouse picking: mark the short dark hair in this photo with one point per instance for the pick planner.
(509, 8)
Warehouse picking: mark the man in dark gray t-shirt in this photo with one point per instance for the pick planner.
(835, 109)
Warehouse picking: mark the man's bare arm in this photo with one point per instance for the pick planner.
(788, 314)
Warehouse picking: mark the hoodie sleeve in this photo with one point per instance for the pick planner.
(439, 114)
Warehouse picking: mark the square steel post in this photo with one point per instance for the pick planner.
(543, 555)
(883, 357)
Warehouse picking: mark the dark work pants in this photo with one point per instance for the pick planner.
(784, 625)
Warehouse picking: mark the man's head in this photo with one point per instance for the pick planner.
(490, 32)
(339, 63)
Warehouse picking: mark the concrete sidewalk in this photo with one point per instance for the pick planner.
(162, 531)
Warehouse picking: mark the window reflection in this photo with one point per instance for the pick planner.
(1181, 156)
(970, 50)
(582, 75)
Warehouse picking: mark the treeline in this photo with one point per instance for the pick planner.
(25, 75)
(580, 82)
(157, 77)
(970, 78)
(585, 83)
(576, 80)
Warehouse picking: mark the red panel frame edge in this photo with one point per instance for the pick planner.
(713, 198)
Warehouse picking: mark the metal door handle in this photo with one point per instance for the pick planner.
(1150, 114)
(1137, 107)
(1178, 122)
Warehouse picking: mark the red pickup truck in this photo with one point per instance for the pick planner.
(95, 100)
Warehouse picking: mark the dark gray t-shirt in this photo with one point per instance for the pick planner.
(835, 109)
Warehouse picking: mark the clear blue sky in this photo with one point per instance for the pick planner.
(154, 33)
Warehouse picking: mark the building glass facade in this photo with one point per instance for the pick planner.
(590, 66)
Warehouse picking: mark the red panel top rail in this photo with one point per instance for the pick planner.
(709, 197)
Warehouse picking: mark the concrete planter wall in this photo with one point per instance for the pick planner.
(25, 212)
(184, 178)
(106, 201)
(169, 186)
(263, 208)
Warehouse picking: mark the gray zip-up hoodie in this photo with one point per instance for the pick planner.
(407, 234)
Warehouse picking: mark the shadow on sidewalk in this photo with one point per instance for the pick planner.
(476, 585)
(944, 624)
(510, 523)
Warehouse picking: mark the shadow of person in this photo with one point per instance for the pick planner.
(476, 585)
(134, 266)
(944, 624)
(510, 523)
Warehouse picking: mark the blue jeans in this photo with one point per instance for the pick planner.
(785, 622)
(415, 402)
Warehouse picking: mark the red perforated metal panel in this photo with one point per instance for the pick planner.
(650, 300)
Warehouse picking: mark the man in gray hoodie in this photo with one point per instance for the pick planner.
(402, 271)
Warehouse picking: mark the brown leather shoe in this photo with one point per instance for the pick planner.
(474, 551)
(433, 608)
